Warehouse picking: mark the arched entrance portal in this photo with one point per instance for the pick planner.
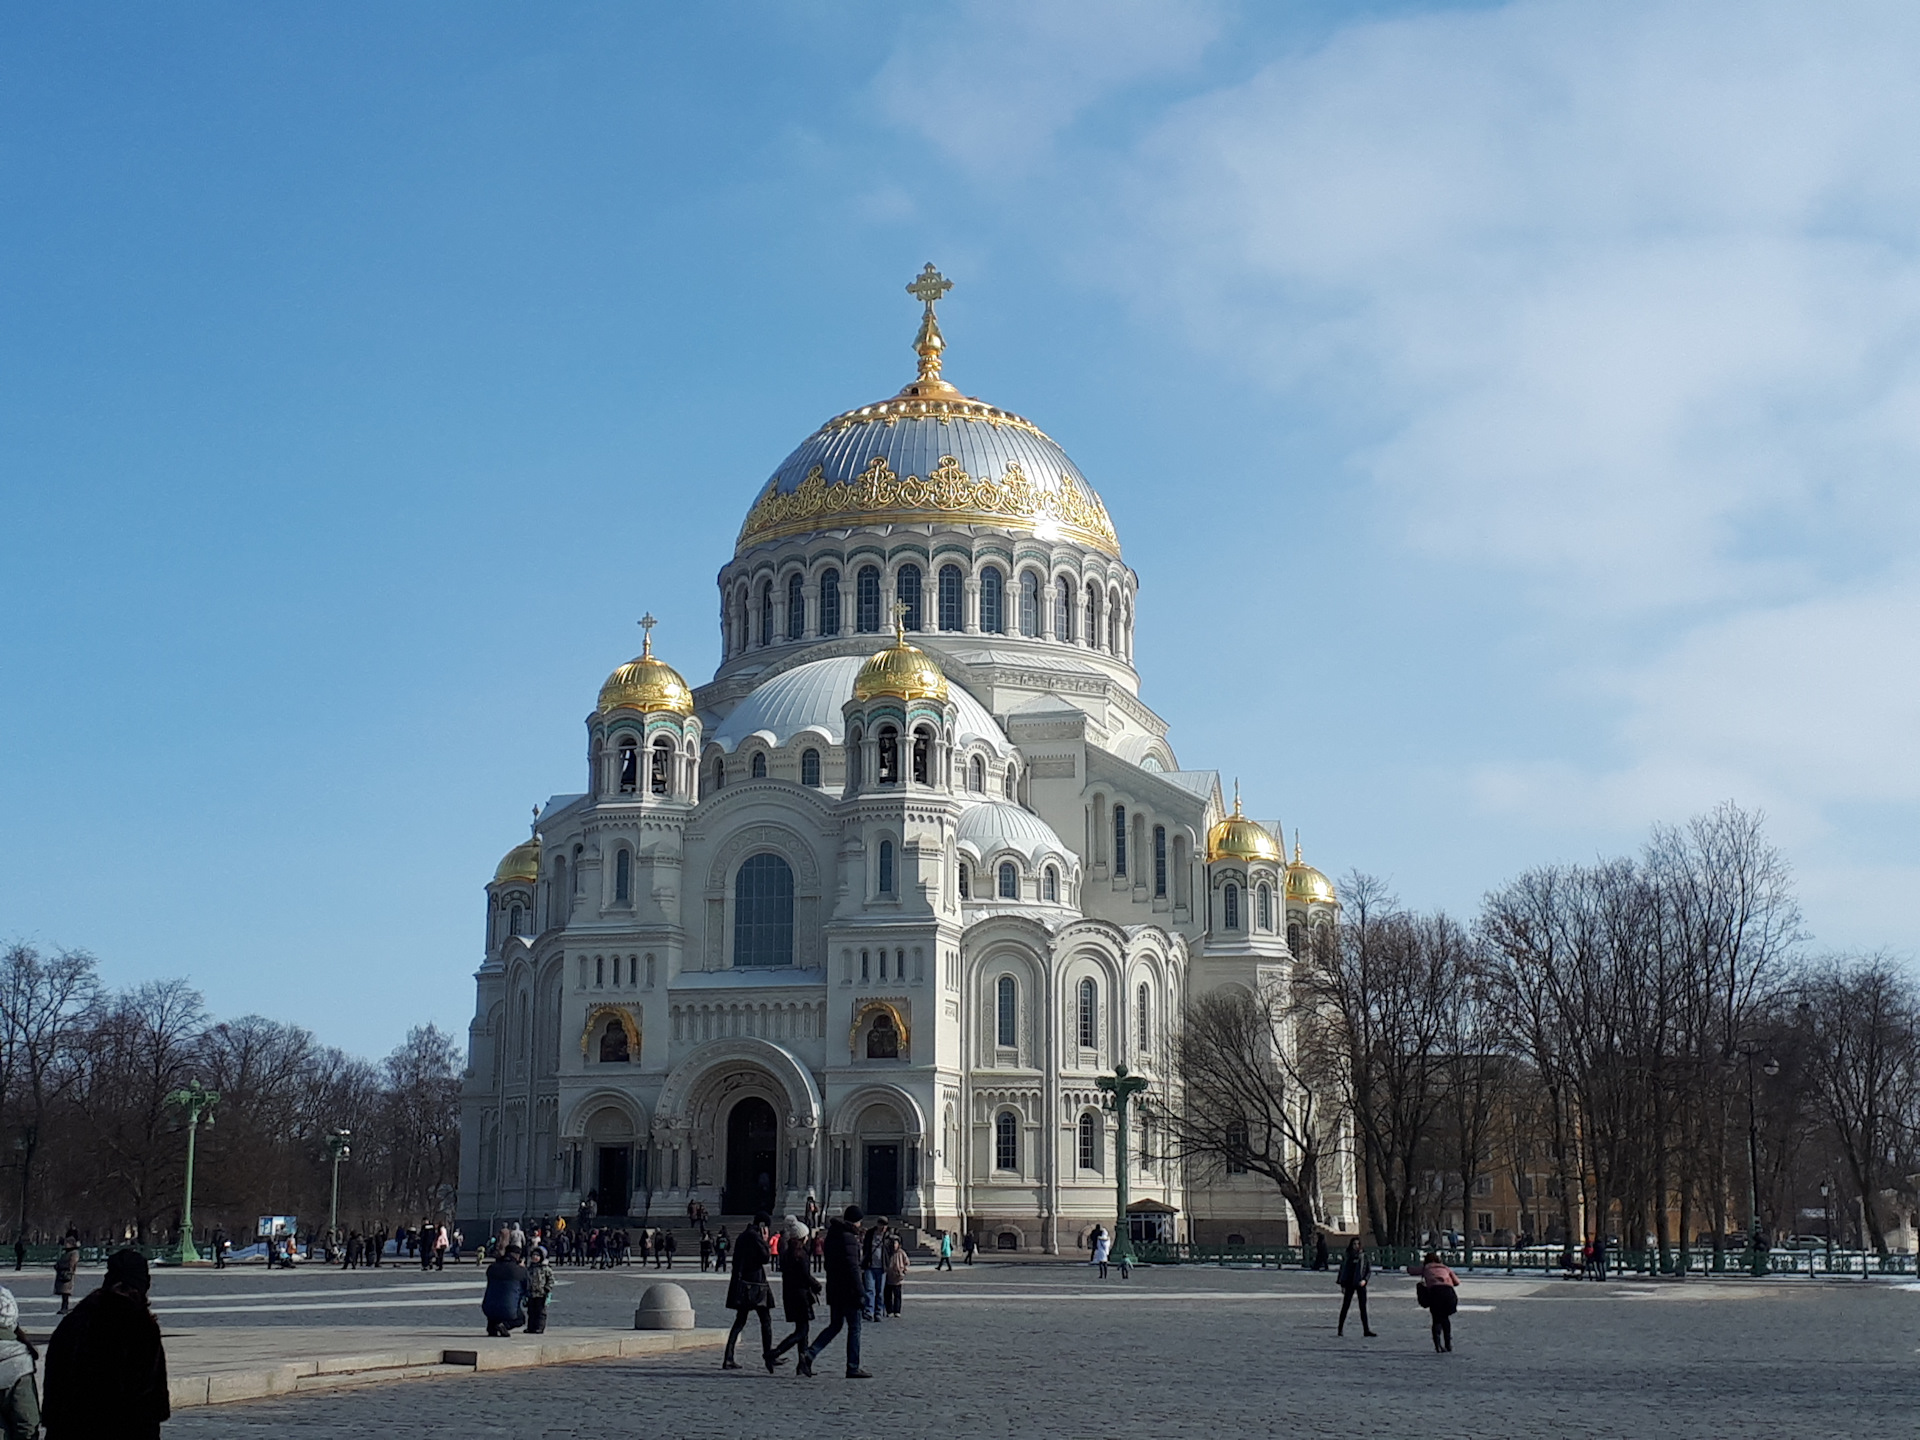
(753, 1157)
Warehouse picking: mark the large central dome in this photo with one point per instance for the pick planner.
(929, 454)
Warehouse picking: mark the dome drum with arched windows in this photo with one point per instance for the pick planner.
(922, 812)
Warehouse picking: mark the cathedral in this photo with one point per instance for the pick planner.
(865, 917)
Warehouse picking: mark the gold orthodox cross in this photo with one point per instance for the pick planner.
(929, 286)
(647, 622)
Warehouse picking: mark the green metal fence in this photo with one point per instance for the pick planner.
(1549, 1260)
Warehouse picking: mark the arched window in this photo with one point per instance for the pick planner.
(1006, 1008)
(810, 767)
(883, 1039)
(622, 877)
(1093, 616)
(719, 772)
(740, 611)
(889, 756)
(1089, 1015)
(1006, 1141)
(766, 612)
(1089, 1141)
(514, 917)
(1143, 1018)
(613, 1044)
(1160, 860)
(1113, 624)
(1009, 881)
(952, 611)
(993, 617)
(759, 765)
(977, 774)
(866, 601)
(629, 765)
(1119, 840)
(763, 912)
(856, 751)
(1293, 937)
(1006, 783)
(1230, 906)
(922, 756)
(660, 770)
(1237, 1148)
(966, 881)
(906, 589)
(1265, 912)
(1063, 609)
(886, 867)
(830, 602)
(1029, 603)
(1052, 886)
(796, 607)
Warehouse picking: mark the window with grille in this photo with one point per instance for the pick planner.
(1143, 1003)
(1089, 1015)
(1006, 1141)
(763, 912)
(906, 588)
(1160, 860)
(886, 867)
(1029, 603)
(867, 601)
(1119, 840)
(796, 607)
(993, 619)
(1009, 881)
(1052, 882)
(830, 602)
(952, 615)
(1089, 1142)
(1007, 1005)
(1230, 907)
(810, 767)
(766, 612)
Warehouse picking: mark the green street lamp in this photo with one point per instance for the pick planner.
(1120, 1088)
(197, 1101)
(337, 1150)
(1756, 1257)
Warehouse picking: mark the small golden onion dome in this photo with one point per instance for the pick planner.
(646, 684)
(1238, 838)
(522, 864)
(1306, 885)
(903, 671)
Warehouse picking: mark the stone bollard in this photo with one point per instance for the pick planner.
(664, 1307)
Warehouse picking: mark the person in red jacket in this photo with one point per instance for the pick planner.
(1439, 1291)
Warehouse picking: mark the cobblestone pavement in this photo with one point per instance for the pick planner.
(1027, 1350)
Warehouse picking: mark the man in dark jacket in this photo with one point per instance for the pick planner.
(106, 1366)
(508, 1286)
(845, 1294)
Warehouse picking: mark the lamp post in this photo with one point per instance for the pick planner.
(1756, 1260)
(1826, 1203)
(337, 1150)
(1120, 1088)
(197, 1101)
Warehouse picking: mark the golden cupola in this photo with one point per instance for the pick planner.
(1306, 885)
(1238, 838)
(902, 671)
(521, 864)
(646, 684)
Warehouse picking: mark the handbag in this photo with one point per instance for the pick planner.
(1424, 1295)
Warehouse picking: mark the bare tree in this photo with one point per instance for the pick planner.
(1246, 1104)
(44, 1003)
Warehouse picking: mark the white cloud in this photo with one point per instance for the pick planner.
(992, 84)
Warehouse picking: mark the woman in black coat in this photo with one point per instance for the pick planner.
(1355, 1271)
(798, 1289)
(750, 1290)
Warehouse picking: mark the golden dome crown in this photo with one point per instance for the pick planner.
(646, 684)
(903, 671)
(1306, 885)
(522, 863)
(1238, 838)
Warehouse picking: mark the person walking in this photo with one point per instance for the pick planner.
(798, 1290)
(844, 1295)
(66, 1267)
(19, 1249)
(898, 1262)
(1355, 1269)
(1439, 1294)
(873, 1260)
(749, 1292)
(1102, 1248)
(106, 1364)
(19, 1399)
(505, 1303)
(539, 1287)
(219, 1248)
(1320, 1250)
(967, 1246)
(672, 1247)
(946, 1251)
(706, 1252)
(720, 1249)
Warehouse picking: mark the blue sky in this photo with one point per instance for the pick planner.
(1511, 411)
